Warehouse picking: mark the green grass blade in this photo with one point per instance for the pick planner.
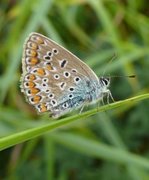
(94, 148)
(20, 137)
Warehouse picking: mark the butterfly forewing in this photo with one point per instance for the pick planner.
(52, 76)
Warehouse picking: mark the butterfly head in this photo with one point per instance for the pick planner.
(105, 81)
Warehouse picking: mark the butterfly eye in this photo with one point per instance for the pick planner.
(105, 81)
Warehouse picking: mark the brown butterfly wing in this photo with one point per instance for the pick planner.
(50, 71)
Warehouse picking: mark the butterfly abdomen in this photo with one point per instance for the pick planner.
(67, 106)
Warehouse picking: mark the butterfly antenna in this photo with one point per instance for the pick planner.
(114, 76)
(129, 76)
(113, 58)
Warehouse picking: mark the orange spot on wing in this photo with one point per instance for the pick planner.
(40, 41)
(31, 52)
(31, 84)
(31, 77)
(34, 91)
(43, 107)
(40, 71)
(35, 99)
(33, 45)
(49, 67)
(33, 61)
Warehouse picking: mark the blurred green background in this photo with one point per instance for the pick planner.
(94, 30)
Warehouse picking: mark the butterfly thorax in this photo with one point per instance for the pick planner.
(97, 90)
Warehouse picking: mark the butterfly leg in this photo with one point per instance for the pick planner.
(102, 101)
(82, 108)
(109, 95)
(99, 103)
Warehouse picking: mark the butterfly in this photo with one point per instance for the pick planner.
(56, 81)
